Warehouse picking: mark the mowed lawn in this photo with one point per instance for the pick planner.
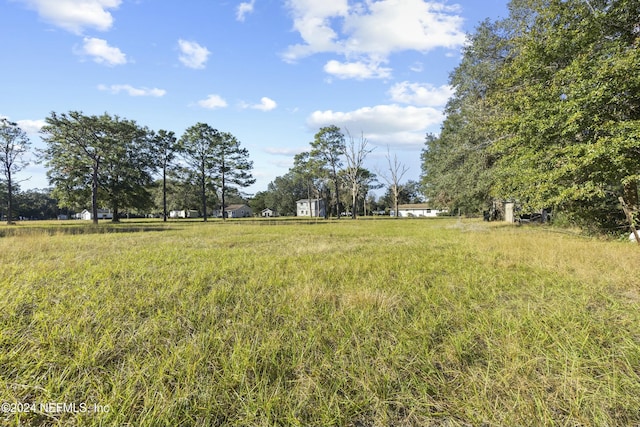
(343, 323)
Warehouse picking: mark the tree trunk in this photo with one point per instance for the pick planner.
(354, 201)
(115, 215)
(94, 195)
(203, 190)
(222, 196)
(337, 190)
(395, 200)
(9, 199)
(164, 192)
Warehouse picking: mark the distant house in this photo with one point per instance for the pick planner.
(310, 207)
(417, 210)
(185, 213)
(102, 214)
(238, 211)
(268, 213)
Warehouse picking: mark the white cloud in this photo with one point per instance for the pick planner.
(367, 32)
(382, 124)
(266, 104)
(244, 9)
(286, 152)
(133, 91)
(356, 70)
(423, 94)
(31, 127)
(213, 102)
(417, 67)
(76, 15)
(193, 55)
(101, 52)
(312, 19)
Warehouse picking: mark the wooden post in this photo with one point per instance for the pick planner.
(627, 212)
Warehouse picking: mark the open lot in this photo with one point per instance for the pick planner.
(347, 323)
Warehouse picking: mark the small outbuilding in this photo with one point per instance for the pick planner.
(268, 213)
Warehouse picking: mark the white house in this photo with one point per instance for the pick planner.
(102, 214)
(185, 213)
(267, 213)
(417, 210)
(310, 207)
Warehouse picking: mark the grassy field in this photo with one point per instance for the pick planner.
(344, 323)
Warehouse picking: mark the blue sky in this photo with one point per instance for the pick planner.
(271, 72)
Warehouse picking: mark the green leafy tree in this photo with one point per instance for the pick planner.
(328, 147)
(129, 167)
(102, 158)
(314, 175)
(197, 149)
(218, 159)
(231, 168)
(166, 147)
(457, 165)
(570, 110)
(259, 202)
(36, 204)
(14, 144)
(284, 191)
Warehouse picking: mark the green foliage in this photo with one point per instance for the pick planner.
(284, 191)
(36, 204)
(218, 159)
(98, 160)
(328, 148)
(546, 112)
(165, 147)
(457, 168)
(14, 144)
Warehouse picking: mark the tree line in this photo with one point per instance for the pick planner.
(108, 161)
(333, 170)
(546, 112)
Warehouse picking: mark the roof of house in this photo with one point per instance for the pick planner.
(415, 206)
(236, 207)
(99, 210)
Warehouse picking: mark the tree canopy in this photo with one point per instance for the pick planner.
(545, 112)
(104, 159)
(14, 144)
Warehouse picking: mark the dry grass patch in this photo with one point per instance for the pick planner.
(346, 323)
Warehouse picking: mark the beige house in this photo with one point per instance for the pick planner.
(417, 210)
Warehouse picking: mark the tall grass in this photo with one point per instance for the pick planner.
(348, 323)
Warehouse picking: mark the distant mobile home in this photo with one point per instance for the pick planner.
(102, 214)
(185, 213)
(417, 210)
